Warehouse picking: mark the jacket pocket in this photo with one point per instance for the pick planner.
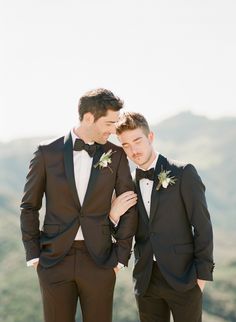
(184, 248)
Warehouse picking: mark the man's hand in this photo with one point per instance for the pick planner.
(201, 284)
(121, 204)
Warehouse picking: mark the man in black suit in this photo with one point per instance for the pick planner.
(75, 254)
(174, 242)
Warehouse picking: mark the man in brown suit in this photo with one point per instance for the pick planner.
(75, 254)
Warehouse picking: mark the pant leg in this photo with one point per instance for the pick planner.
(184, 306)
(152, 309)
(152, 306)
(95, 287)
(59, 290)
(187, 306)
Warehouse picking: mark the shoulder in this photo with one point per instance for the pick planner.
(185, 173)
(180, 168)
(117, 150)
(52, 144)
(178, 165)
(52, 141)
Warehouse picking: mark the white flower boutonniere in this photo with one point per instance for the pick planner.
(164, 179)
(105, 160)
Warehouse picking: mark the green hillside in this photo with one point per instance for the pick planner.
(208, 144)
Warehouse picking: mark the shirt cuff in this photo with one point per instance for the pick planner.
(115, 223)
(32, 262)
(120, 266)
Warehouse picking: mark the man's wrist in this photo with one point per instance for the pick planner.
(201, 283)
(120, 265)
(115, 221)
(32, 261)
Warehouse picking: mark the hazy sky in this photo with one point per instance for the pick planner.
(160, 56)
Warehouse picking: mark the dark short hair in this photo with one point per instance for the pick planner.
(132, 121)
(98, 102)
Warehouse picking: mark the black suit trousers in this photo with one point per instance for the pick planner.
(75, 278)
(161, 299)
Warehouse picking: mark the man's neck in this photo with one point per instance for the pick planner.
(82, 134)
(150, 161)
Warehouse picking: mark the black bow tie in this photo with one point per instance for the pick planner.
(149, 174)
(81, 145)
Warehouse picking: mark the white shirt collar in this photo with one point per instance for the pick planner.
(74, 136)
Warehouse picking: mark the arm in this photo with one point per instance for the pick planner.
(127, 226)
(30, 205)
(121, 204)
(193, 194)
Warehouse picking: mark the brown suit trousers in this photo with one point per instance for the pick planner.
(77, 277)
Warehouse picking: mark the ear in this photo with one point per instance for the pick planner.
(151, 136)
(88, 118)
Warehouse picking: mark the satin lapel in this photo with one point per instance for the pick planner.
(155, 196)
(94, 172)
(141, 207)
(69, 167)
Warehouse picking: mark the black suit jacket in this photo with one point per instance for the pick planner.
(51, 174)
(178, 232)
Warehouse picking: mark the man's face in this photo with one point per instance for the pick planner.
(105, 126)
(137, 146)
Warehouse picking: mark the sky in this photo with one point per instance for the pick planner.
(160, 57)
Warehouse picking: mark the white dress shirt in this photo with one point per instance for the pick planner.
(146, 186)
(82, 169)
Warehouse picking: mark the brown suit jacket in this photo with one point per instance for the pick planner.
(51, 174)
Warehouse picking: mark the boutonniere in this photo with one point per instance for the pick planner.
(105, 160)
(165, 179)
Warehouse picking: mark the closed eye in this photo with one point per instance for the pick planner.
(138, 140)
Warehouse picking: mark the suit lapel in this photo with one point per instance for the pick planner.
(94, 172)
(155, 196)
(69, 167)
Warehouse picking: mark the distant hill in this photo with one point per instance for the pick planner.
(208, 144)
(211, 146)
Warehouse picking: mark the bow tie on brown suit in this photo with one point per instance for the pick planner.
(80, 145)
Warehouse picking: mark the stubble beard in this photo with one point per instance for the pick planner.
(147, 160)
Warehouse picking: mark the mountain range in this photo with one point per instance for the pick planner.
(208, 144)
